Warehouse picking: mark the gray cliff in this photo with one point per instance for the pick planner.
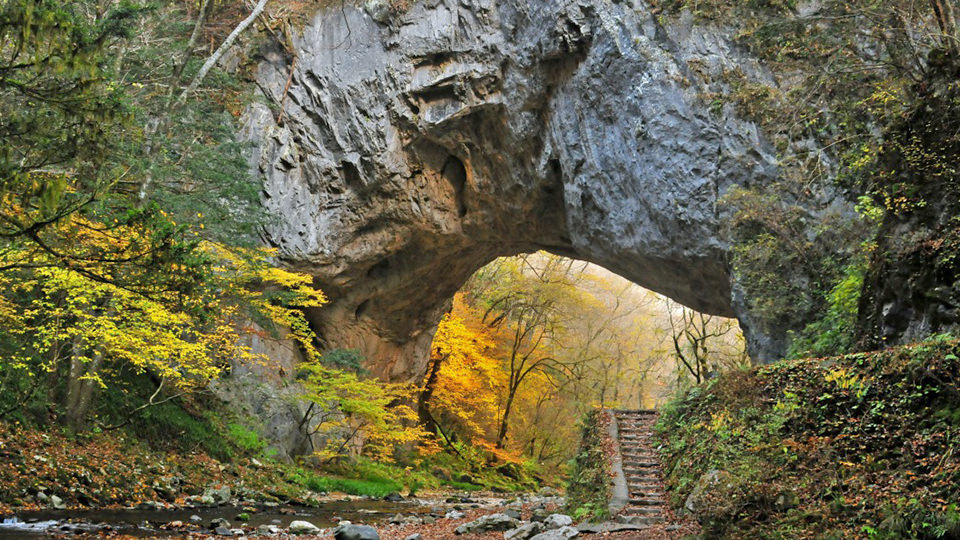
(417, 146)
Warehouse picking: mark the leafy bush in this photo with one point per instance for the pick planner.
(245, 439)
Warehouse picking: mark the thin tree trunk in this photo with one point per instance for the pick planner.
(946, 20)
(221, 50)
(191, 45)
(504, 421)
(423, 401)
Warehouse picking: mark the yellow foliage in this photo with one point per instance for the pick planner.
(467, 384)
(57, 308)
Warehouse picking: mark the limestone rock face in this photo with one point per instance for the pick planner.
(415, 147)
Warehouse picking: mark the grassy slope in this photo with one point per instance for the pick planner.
(859, 446)
(588, 491)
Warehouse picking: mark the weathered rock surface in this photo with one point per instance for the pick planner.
(524, 532)
(415, 147)
(556, 521)
(355, 532)
(563, 533)
(491, 522)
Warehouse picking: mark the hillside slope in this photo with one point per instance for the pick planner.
(858, 446)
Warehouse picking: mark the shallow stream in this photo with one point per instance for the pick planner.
(41, 524)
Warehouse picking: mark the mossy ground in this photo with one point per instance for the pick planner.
(858, 446)
(589, 489)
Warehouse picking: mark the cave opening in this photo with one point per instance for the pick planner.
(531, 341)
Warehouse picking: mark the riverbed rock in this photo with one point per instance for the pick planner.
(219, 522)
(355, 532)
(454, 514)
(217, 495)
(55, 502)
(512, 512)
(414, 536)
(491, 522)
(556, 521)
(303, 527)
(524, 532)
(563, 533)
(540, 514)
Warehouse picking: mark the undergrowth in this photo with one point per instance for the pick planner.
(857, 446)
(589, 488)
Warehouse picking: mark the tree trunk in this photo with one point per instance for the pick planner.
(191, 45)
(221, 50)
(80, 391)
(423, 401)
(504, 421)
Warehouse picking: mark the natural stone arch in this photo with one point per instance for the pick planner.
(417, 147)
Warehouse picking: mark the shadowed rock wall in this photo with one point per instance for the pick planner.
(415, 147)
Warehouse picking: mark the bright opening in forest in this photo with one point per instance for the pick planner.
(533, 341)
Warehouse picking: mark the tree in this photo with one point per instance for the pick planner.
(58, 113)
(457, 399)
(703, 345)
(349, 409)
(75, 331)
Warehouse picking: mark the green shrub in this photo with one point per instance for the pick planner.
(245, 439)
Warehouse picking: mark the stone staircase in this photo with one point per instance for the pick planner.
(646, 504)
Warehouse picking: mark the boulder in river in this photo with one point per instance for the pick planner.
(219, 495)
(492, 522)
(355, 532)
(303, 527)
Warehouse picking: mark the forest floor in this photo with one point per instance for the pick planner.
(92, 473)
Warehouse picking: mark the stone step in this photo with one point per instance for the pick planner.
(644, 486)
(640, 520)
(649, 472)
(643, 510)
(640, 464)
(638, 480)
(647, 502)
(645, 492)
